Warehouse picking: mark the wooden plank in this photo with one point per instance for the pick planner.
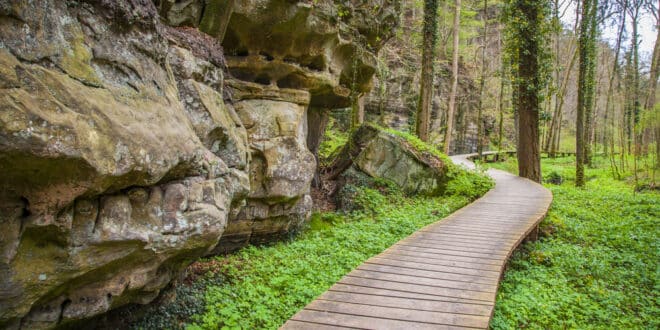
(411, 315)
(424, 244)
(397, 249)
(302, 325)
(460, 253)
(351, 288)
(418, 280)
(458, 294)
(443, 241)
(470, 233)
(407, 303)
(440, 262)
(466, 237)
(426, 273)
(457, 239)
(379, 260)
(362, 322)
(481, 229)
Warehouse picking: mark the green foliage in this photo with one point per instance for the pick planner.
(595, 267)
(264, 286)
(467, 183)
(419, 144)
(554, 178)
(333, 140)
(527, 27)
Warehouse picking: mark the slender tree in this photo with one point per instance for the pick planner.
(482, 82)
(561, 85)
(500, 95)
(426, 81)
(634, 12)
(527, 29)
(614, 73)
(654, 8)
(586, 83)
(454, 74)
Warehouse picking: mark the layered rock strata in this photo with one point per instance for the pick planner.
(125, 153)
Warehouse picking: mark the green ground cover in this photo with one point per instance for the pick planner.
(261, 287)
(596, 263)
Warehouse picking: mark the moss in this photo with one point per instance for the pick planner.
(76, 63)
(216, 17)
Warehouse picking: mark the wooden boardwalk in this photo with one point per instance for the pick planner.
(444, 276)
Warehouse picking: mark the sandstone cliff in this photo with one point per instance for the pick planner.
(129, 144)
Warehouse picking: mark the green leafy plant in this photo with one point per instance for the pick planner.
(596, 264)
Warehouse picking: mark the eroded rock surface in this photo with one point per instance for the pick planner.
(382, 154)
(125, 153)
(115, 171)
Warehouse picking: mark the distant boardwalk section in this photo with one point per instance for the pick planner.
(443, 276)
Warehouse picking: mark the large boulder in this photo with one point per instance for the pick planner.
(389, 155)
(116, 173)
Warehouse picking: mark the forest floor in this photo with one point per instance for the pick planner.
(595, 265)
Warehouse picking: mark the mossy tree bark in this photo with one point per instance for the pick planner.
(527, 27)
(586, 84)
(426, 81)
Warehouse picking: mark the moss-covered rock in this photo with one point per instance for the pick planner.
(120, 159)
(383, 154)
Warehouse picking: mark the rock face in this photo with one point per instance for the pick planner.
(381, 154)
(125, 153)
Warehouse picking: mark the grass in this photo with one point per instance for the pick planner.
(596, 264)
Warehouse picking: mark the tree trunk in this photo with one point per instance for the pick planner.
(559, 104)
(500, 101)
(317, 119)
(590, 78)
(634, 16)
(528, 86)
(587, 47)
(426, 80)
(557, 140)
(454, 73)
(653, 82)
(482, 83)
(613, 74)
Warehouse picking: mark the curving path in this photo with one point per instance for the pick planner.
(443, 276)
